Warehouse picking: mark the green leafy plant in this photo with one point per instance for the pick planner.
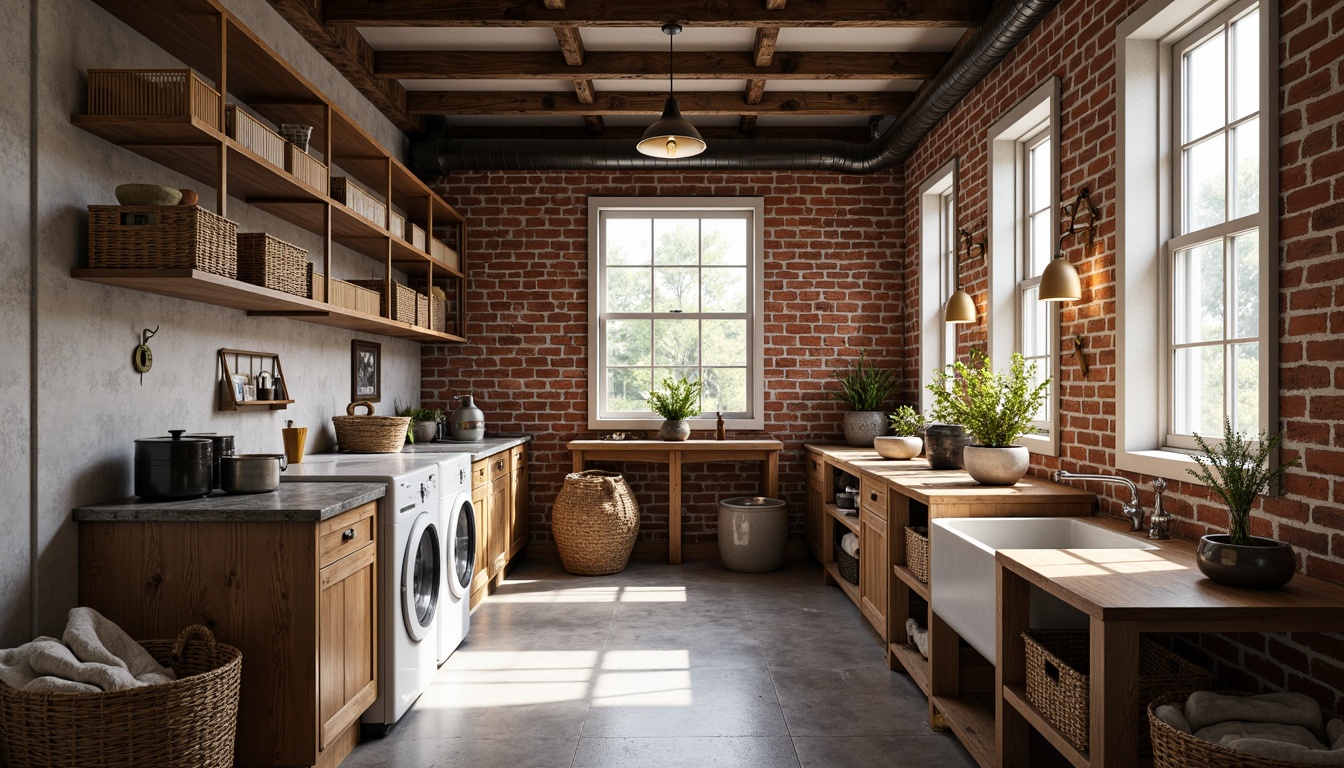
(1238, 471)
(906, 421)
(417, 415)
(995, 407)
(679, 400)
(864, 386)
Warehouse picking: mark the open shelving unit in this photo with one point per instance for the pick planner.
(208, 38)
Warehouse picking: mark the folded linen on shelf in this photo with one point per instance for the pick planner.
(1204, 708)
(918, 636)
(95, 655)
(850, 544)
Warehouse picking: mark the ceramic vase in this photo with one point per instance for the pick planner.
(862, 427)
(675, 429)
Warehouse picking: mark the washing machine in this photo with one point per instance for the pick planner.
(410, 570)
(459, 550)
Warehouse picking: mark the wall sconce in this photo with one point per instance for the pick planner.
(960, 307)
(1059, 281)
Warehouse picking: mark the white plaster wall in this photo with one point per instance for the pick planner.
(91, 405)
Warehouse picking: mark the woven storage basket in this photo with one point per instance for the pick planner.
(362, 203)
(415, 235)
(1176, 749)
(403, 299)
(1059, 686)
(254, 135)
(162, 237)
(396, 224)
(369, 433)
(917, 552)
(343, 294)
(849, 566)
(306, 168)
(595, 522)
(444, 255)
(188, 723)
(272, 263)
(422, 317)
(153, 92)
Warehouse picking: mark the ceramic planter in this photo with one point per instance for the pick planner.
(861, 427)
(943, 445)
(901, 447)
(1265, 564)
(997, 466)
(674, 430)
(424, 431)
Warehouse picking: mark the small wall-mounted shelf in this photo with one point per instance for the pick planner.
(246, 376)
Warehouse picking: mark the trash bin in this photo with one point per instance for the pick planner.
(752, 533)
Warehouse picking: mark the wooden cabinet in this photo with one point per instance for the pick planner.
(816, 514)
(499, 494)
(480, 500)
(518, 502)
(501, 503)
(299, 599)
(874, 567)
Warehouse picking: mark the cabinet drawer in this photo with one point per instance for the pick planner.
(519, 456)
(816, 469)
(873, 496)
(500, 465)
(480, 473)
(345, 533)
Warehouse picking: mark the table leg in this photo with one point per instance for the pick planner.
(770, 476)
(674, 507)
(1011, 729)
(578, 460)
(1115, 694)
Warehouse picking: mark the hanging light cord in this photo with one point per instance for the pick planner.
(671, 62)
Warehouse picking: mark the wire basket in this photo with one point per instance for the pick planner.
(368, 433)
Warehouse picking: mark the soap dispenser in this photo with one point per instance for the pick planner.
(468, 421)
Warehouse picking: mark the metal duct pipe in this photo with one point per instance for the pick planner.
(1008, 23)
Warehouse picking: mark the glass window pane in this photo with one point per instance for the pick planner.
(1035, 324)
(1042, 373)
(725, 390)
(1198, 391)
(1246, 251)
(723, 289)
(724, 342)
(1205, 184)
(628, 241)
(1246, 65)
(676, 342)
(1246, 162)
(1204, 87)
(723, 241)
(1246, 387)
(1040, 176)
(1043, 243)
(676, 241)
(674, 374)
(629, 342)
(676, 289)
(626, 388)
(629, 289)
(1197, 294)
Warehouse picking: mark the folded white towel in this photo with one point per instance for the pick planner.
(918, 637)
(15, 669)
(850, 544)
(1234, 730)
(95, 639)
(1204, 708)
(96, 656)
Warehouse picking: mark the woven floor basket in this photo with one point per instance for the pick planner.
(369, 433)
(188, 723)
(1175, 749)
(847, 564)
(595, 522)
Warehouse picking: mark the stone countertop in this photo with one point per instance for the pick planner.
(292, 502)
(478, 449)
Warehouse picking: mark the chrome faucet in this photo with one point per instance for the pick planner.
(1161, 521)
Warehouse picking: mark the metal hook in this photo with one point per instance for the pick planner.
(1071, 210)
(147, 334)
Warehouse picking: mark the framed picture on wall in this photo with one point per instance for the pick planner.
(366, 371)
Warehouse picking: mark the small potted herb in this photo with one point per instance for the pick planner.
(424, 426)
(1237, 471)
(905, 442)
(677, 401)
(864, 388)
(997, 408)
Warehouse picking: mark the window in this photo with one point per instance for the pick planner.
(938, 253)
(1197, 262)
(1024, 226)
(675, 292)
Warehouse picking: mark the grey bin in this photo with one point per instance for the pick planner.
(752, 533)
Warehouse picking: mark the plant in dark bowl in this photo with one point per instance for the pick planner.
(864, 388)
(424, 422)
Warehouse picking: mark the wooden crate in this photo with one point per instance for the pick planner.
(415, 235)
(343, 294)
(272, 263)
(162, 237)
(444, 255)
(402, 299)
(254, 135)
(364, 205)
(143, 92)
(306, 168)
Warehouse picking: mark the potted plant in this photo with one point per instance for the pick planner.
(864, 387)
(424, 426)
(997, 408)
(904, 442)
(678, 401)
(1237, 471)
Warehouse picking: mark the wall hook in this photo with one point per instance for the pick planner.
(142, 359)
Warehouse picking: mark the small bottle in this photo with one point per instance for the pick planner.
(719, 432)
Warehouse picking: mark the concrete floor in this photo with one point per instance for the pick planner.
(666, 666)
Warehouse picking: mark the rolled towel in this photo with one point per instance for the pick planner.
(54, 659)
(1288, 753)
(93, 638)
(1229, 731)
(1334, 733)
(850, 544)
(1173, 715)
(1204, 708)
(918, 636)
(16, 669)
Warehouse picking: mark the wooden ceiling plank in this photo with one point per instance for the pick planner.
(584, 90)
(755, 90)
(764, 47)
(692, 103)
(571, 45)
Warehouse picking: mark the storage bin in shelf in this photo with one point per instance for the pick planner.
(255, 135)
(343, 294)
(272, 263)
(153, 92)
(162, 237)
(252, 380)
(306, 168)
(364, 204)
(403, 299)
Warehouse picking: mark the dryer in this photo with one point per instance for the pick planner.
(459, 550)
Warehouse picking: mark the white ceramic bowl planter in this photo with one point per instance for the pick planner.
(900, 447)
(996, 466)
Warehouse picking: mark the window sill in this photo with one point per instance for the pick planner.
(1040, 445)
(651, 425)
(1171, 465)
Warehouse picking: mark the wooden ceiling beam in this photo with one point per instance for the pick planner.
(763, 49)
(775, 5)
(692, 103)
(647, 65)
(699, 13)
(571, 45)
(855, 134)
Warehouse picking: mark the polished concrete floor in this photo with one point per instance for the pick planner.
(668, 667)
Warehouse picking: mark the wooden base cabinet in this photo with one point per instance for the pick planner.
(499, 494)
(299, 599)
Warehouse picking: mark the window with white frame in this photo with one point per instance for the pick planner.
(938, 254)
(675, 292)
(1197, 236)
(1035, 331)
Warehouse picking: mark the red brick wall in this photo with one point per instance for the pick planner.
(1077, 44)
(832, 247)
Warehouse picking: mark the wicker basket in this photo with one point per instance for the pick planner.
(415, 235)
(343, 294)
(444, 255)
(849, 566)
(272, 263)
(362, 203)
(422, 316)
(1177, 749)
(396, 224)
(369, 433)
(162, 237)
(595, 522)
(438, 314)
(1058, 683)
(403, 299)
(143, 92)
(254, 135)
(917, 552)
(306, 168)
(188, 723)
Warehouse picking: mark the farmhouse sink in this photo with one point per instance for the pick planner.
(962, 579)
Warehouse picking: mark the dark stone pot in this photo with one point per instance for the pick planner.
(1267, 564)
(944, 444)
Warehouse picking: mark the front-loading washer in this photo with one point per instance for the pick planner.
(459, 550)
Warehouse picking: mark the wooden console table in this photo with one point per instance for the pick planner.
(675, 454)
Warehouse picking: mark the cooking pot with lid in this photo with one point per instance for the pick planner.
(174, 467)
(251, 472)
(222, 445)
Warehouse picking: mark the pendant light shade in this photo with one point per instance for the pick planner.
(960, 308)
(1059, 281)
(672, 137)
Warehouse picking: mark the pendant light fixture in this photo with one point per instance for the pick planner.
(960, 306)
(1059, 281)
(672, 137)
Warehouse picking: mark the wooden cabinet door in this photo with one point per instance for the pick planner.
(518, 510)
(874, 570)
(347, 641)
(816, 518)
(501, 500)
(480, 499)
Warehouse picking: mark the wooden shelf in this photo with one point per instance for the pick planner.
(274, 405)
(972, 723)
(850, 589)
(912, 581)
(1016, 697)
(852, 523)
(914, 664)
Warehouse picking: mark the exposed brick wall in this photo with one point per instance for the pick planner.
(1077, 44)
(832, 247)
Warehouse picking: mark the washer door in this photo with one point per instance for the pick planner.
(461, 530)
(421, 575)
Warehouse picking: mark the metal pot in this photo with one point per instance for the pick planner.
(221, 446)
(251, 472)
(174, 467)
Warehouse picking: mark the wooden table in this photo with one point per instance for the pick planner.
(1126, 592)
(675, 454)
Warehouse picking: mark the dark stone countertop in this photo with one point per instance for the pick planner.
(292, 502)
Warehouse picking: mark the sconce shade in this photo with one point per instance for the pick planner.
(672, 137)
(1059, 281)
(960, 308)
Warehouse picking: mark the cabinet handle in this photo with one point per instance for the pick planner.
(814, 463)
(872, 495)
(499, 464)
(349, 535)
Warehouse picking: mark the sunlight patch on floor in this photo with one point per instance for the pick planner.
(592, 595)
(649, 688)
